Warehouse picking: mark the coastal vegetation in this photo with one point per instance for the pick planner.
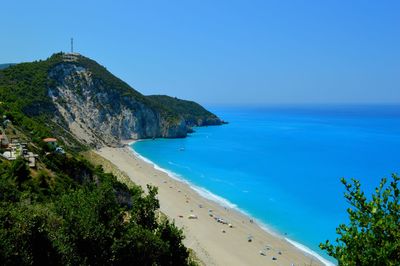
(194, 113)
(72, 213)
(372, 236)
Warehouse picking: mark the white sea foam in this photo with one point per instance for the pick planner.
(309, 251)
(211, 196)
(226, 203)
(201, 191)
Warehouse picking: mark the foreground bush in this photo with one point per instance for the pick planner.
(372, 236)
(75, 214)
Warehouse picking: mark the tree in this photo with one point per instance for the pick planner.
(20, 170)
(173, 236)
(90, 218)
(24, 239)
(372, 236)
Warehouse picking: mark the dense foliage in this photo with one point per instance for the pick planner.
(193, 113)
(72, 213)
(23, 93)
(372, 236)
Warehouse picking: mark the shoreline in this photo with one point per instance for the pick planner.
(226, 203)
(214, 249)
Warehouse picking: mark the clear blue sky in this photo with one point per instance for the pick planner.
(213, 52)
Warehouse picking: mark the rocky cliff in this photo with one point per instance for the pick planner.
(100, 109)
(78, 100)
(94, 111)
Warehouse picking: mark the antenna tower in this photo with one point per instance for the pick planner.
(72, 45)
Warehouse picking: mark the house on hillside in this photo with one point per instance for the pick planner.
(6, 122)
(51, 141)
(3, 141)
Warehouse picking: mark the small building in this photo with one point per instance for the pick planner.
(10, 155)
(6, 122)
(51, 141)
(31, 158)
(3, 141)
(59, 150)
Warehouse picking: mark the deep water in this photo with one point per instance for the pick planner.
(283, 165)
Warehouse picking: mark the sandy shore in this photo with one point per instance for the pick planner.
(214, 243)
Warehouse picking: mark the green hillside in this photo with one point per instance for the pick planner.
(68, 212)
(194, 113)
(24, 99)
(24, 90)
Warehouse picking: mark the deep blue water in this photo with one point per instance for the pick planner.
(283, 165)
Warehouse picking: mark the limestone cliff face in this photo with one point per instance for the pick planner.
(98, 114)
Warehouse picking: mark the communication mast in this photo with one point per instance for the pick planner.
(72, 45)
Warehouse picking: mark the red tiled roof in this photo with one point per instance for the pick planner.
(50, 140)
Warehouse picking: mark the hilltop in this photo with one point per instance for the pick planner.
(81, 102)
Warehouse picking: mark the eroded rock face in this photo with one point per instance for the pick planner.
(99, 115)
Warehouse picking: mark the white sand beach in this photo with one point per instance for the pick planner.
(215, 243)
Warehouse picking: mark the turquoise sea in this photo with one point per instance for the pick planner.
(282, 165)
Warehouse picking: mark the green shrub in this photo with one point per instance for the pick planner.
(372, 236)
